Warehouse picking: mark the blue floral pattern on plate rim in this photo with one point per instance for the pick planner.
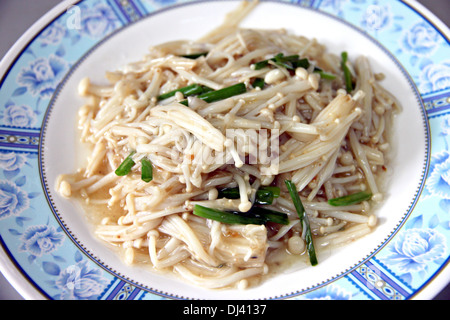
(56, 267)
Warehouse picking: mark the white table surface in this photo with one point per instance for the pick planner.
(16, 16)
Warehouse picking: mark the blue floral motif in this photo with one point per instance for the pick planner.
(335, 5)
(19, 116)
(53, 34)
(11, 161)
(43, 75)
(97, 21)
(11, 164)
(421, 39)
(13, 200)
(414, 250)
(80, 282)
(435, 77)
(41, 239)
(330, 292)
(445, 126)
(376, 17)
(438, 181)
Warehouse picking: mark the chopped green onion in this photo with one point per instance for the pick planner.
(269, 215)
(195, 55)
(224, 93)
(277, 59)
(258, 83)
(256, 215)
(229, 193)
(289, 62)
(146, 170)
(303, 220)
(264, 195)
(209, 95)
(323, 74)
(347, 74)
(224, 216)
(190, 90)
(350, 199)
(303, 63)
(261, 64)
(275, 190)
(125, 167)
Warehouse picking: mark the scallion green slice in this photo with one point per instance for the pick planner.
(264, 195)
(256, 215)
(323, 74)
(223, 93)
(195, 55)
(209, 95)
(275, 190)
(304, 221)
(350, 199)
(125, 167)
(258, 83)
(146, 170)
(190, 90)
(289, 62)
(347, 74)
(269, 215)
(225, 216)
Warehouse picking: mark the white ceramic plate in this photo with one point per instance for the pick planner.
(46, 237)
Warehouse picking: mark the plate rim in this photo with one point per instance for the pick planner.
(286, 295)
(26, 285)
(9, 267)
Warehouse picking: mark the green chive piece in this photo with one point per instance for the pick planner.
(146, 170)
(269, 215)
(186, 91)
(258, 83)
(278, 59)
(229, 193)
(347, 74)
(289, 62)
(303, 63)
(225, 216)
(275, 190)
(303, 220)
(125, 167)
(256, 215)
(209, 95)
(323, 74)
(195, 55)
(326, 75)
(264, 195)
(261, 64)
(224, 93)
(350, 199)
